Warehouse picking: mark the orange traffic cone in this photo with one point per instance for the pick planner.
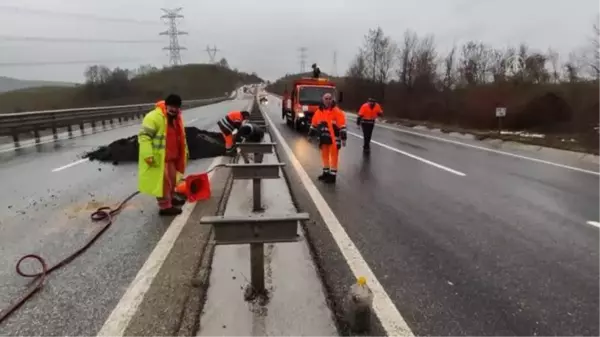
(195, 187)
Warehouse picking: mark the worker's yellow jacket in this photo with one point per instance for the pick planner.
(152, 143)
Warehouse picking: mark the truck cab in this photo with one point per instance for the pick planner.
(304, 99)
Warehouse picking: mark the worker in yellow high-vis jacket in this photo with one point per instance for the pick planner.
(163, 154)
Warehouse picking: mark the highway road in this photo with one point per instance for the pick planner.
(47, 196)
(466, 241)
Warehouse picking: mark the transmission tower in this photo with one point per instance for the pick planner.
(174, 48)
(303, 57)
(334, 70)
(212, 53)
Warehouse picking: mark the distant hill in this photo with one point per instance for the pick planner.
(192, 81)
(10, 84)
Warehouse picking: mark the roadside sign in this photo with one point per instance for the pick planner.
(500, 112)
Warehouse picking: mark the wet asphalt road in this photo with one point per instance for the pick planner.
(504, 249)
(48, 213)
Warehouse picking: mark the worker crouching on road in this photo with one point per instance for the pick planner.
(367, 115)
(329, 125)
(163, 154)
(230, 123)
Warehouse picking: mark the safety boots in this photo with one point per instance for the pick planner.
(170, 211)
(327, 178)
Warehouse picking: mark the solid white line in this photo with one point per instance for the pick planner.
(122, 314)
(488, 149)
(80, 161)
(458, 173)
(594, 223)
(391, 320)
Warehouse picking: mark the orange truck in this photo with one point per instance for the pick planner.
(300, 104)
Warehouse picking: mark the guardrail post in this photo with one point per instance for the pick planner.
(120, 120)
(104, 124)
(93, 125)
(256, 196)
(15, 137)
(112, 122)
(81, 128)
(36, 135)
(257, 250)
(54, 132)
(70, 130)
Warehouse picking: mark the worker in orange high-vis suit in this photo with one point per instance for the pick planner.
(163, 154)
(329, 125)
(367, 115)
(233, 121)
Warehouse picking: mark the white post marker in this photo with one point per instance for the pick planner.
(594, 223)
(500, 113)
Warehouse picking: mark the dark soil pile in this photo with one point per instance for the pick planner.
(201, 144)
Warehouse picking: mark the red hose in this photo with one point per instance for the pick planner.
(101, 214)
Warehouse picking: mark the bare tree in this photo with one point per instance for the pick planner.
(449, 70)
(497, 65)
(358, 67)
(593, 56)
(475, 63)
(572, 68)
(378, 52)
(553, 59)
(92, 75)
(424, 62)
(406, 58)
(223, 63)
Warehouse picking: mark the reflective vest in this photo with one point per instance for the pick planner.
(152, 140)
(330, 124)
(367, 114)
(231, 122)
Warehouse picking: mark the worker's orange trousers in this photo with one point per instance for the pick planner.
(169, 178)
(330, 155)
(228, 140)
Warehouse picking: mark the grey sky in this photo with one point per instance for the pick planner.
(264, 35)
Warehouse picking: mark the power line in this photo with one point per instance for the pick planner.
(49, 63)
(83, 16)
(334, 70)
(303, 57)
(174, 48)
(70, 39)
(212, 53)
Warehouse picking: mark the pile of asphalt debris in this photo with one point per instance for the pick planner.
(201, 144)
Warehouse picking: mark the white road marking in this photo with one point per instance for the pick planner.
(119, 319)
(80, 161)
(391, 320)
(594, 223)
(458, 173)
(487, 149)
(192, 121)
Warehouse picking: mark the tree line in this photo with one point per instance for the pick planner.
(464, 86)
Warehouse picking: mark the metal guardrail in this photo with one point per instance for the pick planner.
(256, 229)
(16, 124)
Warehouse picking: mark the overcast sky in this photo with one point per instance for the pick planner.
(264, 35)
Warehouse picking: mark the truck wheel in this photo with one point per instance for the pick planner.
(298, 126)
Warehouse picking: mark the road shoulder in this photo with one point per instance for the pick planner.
(174, 301)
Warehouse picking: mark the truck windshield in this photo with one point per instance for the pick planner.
(312, 95)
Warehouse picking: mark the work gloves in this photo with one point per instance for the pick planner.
(358, 120)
